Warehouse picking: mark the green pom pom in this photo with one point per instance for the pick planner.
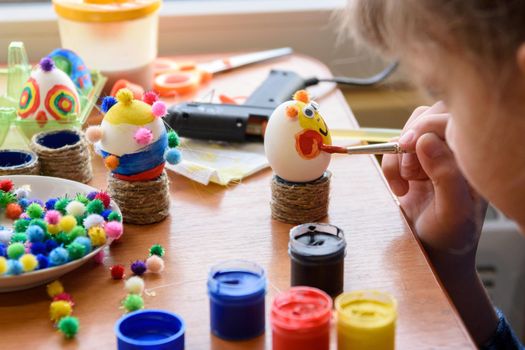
(80, 219)
(77, 231)
(76, 250)
(21, 225)
(133, 302)
(39, 222)
(114, 216)
(15, 250)
(35, 211)
(82, 199)
(69, 326)
(173, 139)
(156, 249)
(61, 205)
(6, 198)
(95, 207)
(18, 237)
(62, 238)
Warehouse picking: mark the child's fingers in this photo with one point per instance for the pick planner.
(434, 123)
(410, 168)
(422, 111)
(390, 166)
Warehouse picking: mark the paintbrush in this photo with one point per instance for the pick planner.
(379, 148)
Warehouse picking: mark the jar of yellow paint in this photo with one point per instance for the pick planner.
(366, 320)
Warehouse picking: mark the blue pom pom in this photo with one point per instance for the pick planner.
(38, 248)
(3, 250)
(24, 203)
(91, 195)
(85, 241)
(47, 64)
(43, 262)
(107, 103)
(14, 267)
(105, 214)
(35, 233)
(51, 244)
(58, 256)
(172, 156)
(50, 204)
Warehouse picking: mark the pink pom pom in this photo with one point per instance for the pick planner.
(99, 257)
(143, 136)
(24, 216)
(150, 97)
(52, 217)
(159, 109)
(94, 134)
(114, 229)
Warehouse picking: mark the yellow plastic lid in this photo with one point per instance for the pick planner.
(105, 10)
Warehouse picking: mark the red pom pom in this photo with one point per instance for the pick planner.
(105, 198)
(117, 272)
(150, 97)
(6, 185)
(13, 211)
(65, 297)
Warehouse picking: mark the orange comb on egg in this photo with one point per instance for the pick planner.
(302, 95)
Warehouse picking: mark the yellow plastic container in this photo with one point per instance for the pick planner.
(366, 320)
(117, 37)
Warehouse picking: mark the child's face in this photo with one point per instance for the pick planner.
(486, 130)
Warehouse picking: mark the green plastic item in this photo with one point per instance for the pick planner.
(16, 74)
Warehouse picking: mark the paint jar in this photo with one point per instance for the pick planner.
(317, 252)
(301, 320)
(366, 320)
(18, 162)
(237, 289)
(117, 37)
(150, 329)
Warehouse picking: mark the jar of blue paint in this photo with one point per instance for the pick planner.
(237, 290)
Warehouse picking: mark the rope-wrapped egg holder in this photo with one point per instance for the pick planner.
(63, 153)
(299, 203)
(141, 202)
(18, 162)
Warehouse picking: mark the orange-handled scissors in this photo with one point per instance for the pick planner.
(179, 78)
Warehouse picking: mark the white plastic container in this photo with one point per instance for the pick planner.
(117, 37)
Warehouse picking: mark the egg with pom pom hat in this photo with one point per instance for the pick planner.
(48, 95)
(294, 138)
(132, 137)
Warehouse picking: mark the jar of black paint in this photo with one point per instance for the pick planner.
(317, 252)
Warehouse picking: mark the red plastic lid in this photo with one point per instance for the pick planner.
(301, 308)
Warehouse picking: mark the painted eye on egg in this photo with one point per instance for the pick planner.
(315, 105)
(309, 112)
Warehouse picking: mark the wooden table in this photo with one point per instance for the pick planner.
(212, 223)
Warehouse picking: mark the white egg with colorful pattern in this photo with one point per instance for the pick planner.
(48, 94)
(293, 140)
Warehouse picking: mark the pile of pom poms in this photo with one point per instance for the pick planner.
(154, 264)
(60, 310)
(55, 232)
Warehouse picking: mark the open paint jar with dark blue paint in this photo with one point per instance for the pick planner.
(17, 161)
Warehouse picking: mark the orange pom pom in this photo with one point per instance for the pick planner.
(302, 95)
(291, 112)
(13, 211)
(111, 162)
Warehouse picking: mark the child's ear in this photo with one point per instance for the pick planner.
(520, 58)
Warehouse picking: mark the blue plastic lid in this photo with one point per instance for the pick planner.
(150, 329)
(236, 279)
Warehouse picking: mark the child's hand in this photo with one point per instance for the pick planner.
(440, 205)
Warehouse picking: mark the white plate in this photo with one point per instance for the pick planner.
(43, 188)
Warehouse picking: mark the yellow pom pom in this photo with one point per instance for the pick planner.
(3, 265)
(53, 229)
(125, 96)
(97, 235)
(54, 288)
(29, 262)
(59, 309)
(67, 223)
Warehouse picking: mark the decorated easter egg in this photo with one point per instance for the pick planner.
(132, 137)
(294, 138)
(74, 67)
(48, 94)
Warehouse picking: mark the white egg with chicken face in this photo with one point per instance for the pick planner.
(293, 139)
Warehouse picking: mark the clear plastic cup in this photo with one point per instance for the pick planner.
(117, 37)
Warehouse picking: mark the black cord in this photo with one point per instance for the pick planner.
(375, 79)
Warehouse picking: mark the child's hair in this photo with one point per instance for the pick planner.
(490, 31)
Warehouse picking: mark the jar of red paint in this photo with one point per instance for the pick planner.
(300, 319)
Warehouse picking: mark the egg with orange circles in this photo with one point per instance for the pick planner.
(294, 139)
(48, 94)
